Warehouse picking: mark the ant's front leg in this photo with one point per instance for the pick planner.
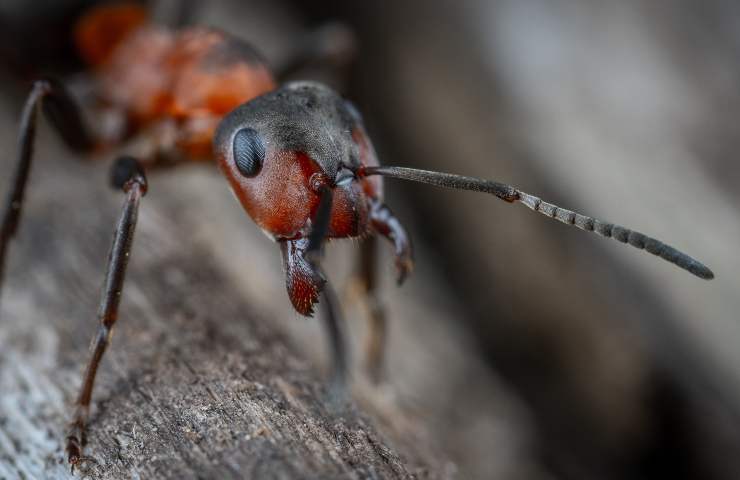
(63, 113)
(386, 224)
(127, 175)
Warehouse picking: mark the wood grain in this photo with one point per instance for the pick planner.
(198, 382)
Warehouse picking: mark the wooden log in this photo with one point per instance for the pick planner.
(199, 382)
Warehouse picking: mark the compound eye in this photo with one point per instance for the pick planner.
(249, 152)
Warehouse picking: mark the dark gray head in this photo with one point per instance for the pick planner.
(273, 148)
(300, 116)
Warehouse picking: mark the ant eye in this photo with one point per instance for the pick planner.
(249, 152)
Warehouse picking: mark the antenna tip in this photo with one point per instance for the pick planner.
(701, 271)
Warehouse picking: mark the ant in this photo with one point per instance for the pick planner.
(296, 156)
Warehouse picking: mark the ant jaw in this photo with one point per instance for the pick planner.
(304, 281)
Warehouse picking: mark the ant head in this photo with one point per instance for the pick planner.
(280, 149)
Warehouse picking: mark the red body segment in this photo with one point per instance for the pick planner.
(280, 198)
(102, 29)
(350, 212)
(373, 186)
(191, 78)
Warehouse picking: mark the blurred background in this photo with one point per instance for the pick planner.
(524, 348)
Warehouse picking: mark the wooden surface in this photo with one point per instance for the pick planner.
(197, 383)
(210, 373)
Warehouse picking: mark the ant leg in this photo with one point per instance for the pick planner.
(305, 281)
(338, 344)
(128, 175)
(332, 44)
(377, 331)
(385, 223)
(63, 113)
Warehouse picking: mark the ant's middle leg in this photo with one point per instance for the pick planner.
(64, 114)
(365, 286)
(127, 175)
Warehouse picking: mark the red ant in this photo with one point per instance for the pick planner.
(297, 157)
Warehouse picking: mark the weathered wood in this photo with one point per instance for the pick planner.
(210, 373)
(198, 382)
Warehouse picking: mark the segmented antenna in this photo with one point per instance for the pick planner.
(511, 194)
(619, 233)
